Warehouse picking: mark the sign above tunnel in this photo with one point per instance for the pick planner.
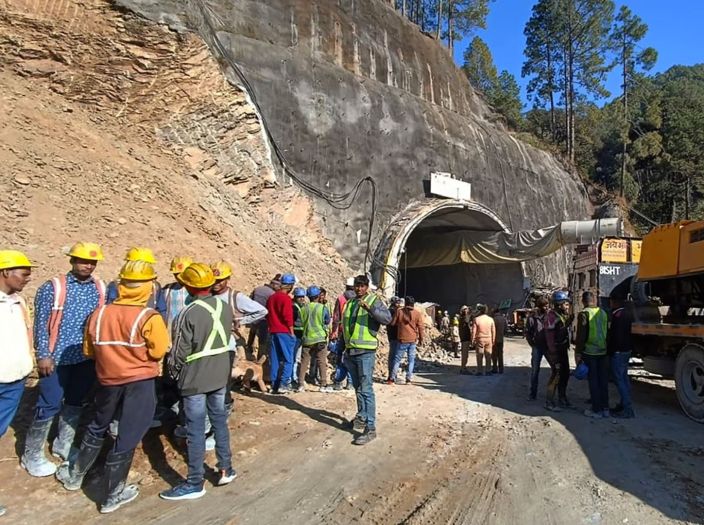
(444, 185)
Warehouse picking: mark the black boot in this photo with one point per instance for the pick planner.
(117, 467)
(72, 475)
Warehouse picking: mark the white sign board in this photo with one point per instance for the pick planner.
(443, 185)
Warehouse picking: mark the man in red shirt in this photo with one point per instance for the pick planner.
(282, 340)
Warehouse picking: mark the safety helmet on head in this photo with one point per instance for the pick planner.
(455, 321)
(137, 271)
(299, 292)
(313, 291)
(178, 264)
(89, 251)
(560, 296)
(137, 253)
(288, 279)
(349, 282)
(10, 259)
(221, 270)
(197, 275)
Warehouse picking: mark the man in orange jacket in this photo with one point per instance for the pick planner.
(126, 339)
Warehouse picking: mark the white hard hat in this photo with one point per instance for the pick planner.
(350, 282)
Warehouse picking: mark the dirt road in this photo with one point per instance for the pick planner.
(451, 449)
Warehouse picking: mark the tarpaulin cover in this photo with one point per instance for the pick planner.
(477, 247)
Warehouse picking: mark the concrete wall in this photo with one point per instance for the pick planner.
(348, 88)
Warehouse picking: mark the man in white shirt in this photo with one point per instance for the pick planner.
(16, 362)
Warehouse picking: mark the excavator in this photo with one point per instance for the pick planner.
(668, 299)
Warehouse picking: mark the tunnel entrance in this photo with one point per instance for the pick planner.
(415, 265)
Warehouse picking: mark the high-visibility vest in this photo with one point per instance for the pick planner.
(596, 339)
(298, 323)
(218, 331)
(355, 325)
(314, 329)
(57, 308)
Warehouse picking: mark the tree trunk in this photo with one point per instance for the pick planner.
(403, 8)
(626, 126)
(551, 89)
(450, 24)
(439, 26)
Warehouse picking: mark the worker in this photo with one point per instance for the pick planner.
(455, 339)
(535, 336)
(126, 339)
(497, 354)
(282, 339)
(465, 329)
(619, 346)
(445, 326)
(15, 327)
(411, 330)
(66, 376)
(484, 335)
(260, 330)
(199, 362)
(175, 294)
(315, 318)
(590, 347)
(299, 301)
(557, 338)
(336, 339)
(157, 300)
(361, 320)
(392, 334)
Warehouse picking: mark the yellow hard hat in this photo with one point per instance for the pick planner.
(137, 271)
(197, 275)
(13, 259)
(137, 253)
(221, 270)
(178, 264)
(89, 251)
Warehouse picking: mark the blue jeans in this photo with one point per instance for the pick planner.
(341, 371)
(536, 359)
(361, 368)
(401, 351)
(598, 381)
(619, 368)
(195, 408)
(69, 384)
(393, 349)
(295, 367)
(281, 359)
(10, 396)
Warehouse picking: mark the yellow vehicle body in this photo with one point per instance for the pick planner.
(672, 250)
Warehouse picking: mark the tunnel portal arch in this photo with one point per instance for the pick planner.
(451, 285)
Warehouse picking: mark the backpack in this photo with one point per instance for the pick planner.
(535, 331)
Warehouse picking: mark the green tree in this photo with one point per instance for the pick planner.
(463, 17)
(479, 66)
(506, 99)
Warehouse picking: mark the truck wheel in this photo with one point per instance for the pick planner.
(689, 381)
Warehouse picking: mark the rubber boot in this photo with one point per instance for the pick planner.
(33, 459)
(117, 467)
(68, 422)
(71, 475)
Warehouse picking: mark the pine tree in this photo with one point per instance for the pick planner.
(506, 99)
(463, 18)
(479, 66)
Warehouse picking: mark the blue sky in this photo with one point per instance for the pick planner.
(676, 30)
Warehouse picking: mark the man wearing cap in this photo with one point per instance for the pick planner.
(199, 361)
(126, 339)
(315, 318)
(282, 339)
(557, 337)
(15, 326)
(361, 321)
(260, 330)
(156, 300)
(66, 376)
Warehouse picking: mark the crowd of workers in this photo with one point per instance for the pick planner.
(127, 352)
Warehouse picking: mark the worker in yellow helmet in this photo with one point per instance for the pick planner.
(156, 300)
(175, 294)
(15, 326)
(66, 377)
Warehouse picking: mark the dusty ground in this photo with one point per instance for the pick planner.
(451, 449)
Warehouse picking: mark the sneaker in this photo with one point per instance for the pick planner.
(368, 435)
(299, 389)
(624, 414)
(552, 407)
(337, 386)
(210, 443)
(129, 493)
(183, 491)
(356, 424)
(326, 389)
(594, 415)
(408, 381)
(226, 476)
(349, 386)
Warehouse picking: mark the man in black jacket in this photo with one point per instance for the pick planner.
(200, 363)
(535, 335)
(619, 347)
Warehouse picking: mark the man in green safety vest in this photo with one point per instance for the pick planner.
(315, 320)
(200, 364)
(361, 320)
(592, 324)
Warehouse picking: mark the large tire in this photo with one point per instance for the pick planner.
(689, 381)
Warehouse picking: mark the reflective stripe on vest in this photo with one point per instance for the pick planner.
(57, 308)
(314, 329)
(596, 339)
(133, 330)
(298, 323)
(217, 330)
(355, 326)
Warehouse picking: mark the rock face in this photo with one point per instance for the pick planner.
(348, 89)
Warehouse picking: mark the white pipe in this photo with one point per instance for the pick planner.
(589, 232)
